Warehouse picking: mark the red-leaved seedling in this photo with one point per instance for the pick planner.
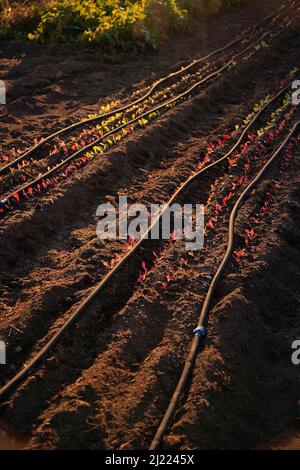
(204, 161)
(210, 225)
(239, 254)
(250, 235)
(131, 239)
(144, 267)
(16, 196)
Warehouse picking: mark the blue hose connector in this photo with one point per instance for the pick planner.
(199, 331)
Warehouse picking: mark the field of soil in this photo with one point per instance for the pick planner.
(107, 383)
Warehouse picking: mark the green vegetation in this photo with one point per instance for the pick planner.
(110, 25)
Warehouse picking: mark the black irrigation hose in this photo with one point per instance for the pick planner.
(20, 376)
(133, 121)
(139, 100)
(199, 331)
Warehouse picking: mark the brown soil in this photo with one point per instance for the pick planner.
(108, 381)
